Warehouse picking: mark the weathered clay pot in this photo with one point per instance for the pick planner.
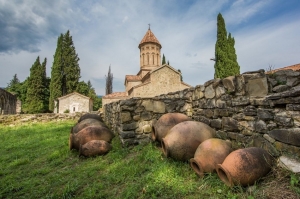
(165, 123)
(94, 147)
(183, 139)
(89, 133)
(209, 153)
(245, 166)
(87, 122)
(90, 116)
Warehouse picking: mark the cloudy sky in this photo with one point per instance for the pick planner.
(267, 33)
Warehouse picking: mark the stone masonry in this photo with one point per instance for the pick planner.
(251, 109)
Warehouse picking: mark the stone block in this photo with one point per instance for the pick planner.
(270, 139)
(220, 91)
(147, 128)
(292, 81)
(130, 126)
(125, 117)
(250, 111)
(284, 121)
(240, 101)
(216, 123)
(148, 104)
(261, 126)
(211, 103)
(127, 134)
(146, 116)
(209, 92)
(221, 104)
(280, 88)
(229, 84)
(265, 114)
(257, 87)
(159, 107)
(230, 124)
(288, 136)
(289, 163)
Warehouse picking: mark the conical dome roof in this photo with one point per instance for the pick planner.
(149, 38)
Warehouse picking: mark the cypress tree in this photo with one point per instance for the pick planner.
(109, 80)
(65, 71)
(163, 60)
(225, 57)
(71, 69)
(56, 74)
(35, 89)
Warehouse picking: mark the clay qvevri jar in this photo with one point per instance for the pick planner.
(183, 139)
(89, 133)
(85, 123)
(209, 153)
(165, 123)
(94, 147)
(245, 166)
(90, 116)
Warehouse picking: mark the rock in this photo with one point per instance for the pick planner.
(260, 126)
(220, 91)
(230, 124)
(216, 123)
(257, 87)
(125, 117)
(288, 136)
(209, 92)
(240, 101)
(228, 83)
(281, 88)
(146, 116)
(250, 111)
(292, 81)
(284, 121)
(159, 107)
(289, 163)
(130, 126)
(265, 114)
(127, 134)
(148, 104)
(267, 137)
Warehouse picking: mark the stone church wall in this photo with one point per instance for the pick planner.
(8, 103)
(252, 109)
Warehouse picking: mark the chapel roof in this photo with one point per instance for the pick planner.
(132, 78)
(294, 67)
(149, 38)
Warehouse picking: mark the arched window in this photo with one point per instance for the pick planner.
(148, 58)
(143, 59)
(153, 59)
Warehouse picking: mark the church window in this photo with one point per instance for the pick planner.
(148, 58)
(153, 59)
(157, 59)
(143, 59)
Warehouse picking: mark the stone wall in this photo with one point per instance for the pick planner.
(8, 102)
(19, 119)
(252, 109)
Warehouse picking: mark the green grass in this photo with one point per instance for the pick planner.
(36, 163)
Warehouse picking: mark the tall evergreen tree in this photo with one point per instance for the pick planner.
(56, 74)
(46, 84)
(36, 89)
(109, 81)
(65, 73)
(163, 60)
(225, 57)
(13, 85)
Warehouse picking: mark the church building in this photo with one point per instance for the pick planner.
(153, 78)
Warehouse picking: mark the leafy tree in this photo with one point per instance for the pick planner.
(163, 60)
(109, 81)
(225, 57)
(14, 85)
(65, 71)
(36, 89)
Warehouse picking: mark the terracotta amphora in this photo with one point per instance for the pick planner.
(90, 116)
(245, 166)
(183, 139)
(165, 123)
(208, 154)
(89, 133)
(85, 123)
(94, 147)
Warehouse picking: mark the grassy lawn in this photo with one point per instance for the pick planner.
(35, 162)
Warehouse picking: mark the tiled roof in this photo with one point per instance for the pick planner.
(70, 94)
(116, 95)
(132, 78)
(292, 67)
(149, 37)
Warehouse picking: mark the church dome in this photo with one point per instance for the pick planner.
(149, 38)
